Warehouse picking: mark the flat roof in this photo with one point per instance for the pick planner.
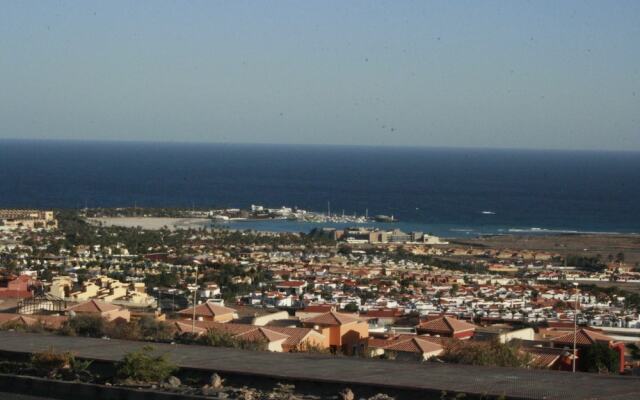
(510, 382)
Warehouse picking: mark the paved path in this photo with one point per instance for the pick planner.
(520, 383)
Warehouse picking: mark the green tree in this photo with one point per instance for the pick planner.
(84, 325)
(491, 353)
(144, 366)
(598, 357)
(351, 307)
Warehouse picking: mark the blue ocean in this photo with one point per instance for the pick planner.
(449, 192)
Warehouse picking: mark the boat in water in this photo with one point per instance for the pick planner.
(384, 218)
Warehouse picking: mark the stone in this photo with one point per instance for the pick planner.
(347, 394)
(216, 381)
(174, 382)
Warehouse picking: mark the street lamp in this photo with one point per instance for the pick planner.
(575, 326)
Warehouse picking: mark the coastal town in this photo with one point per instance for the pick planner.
(357, 292)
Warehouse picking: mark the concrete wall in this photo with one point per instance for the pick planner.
(265, 319)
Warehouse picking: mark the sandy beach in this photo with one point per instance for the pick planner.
(152, 222)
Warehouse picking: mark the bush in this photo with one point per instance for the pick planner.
(151, 329)
(222, 339)
(84, 325)
(20, 326)
(120, 329)
(50, 361)
(143, 366)
(482, 353)
(598, 358)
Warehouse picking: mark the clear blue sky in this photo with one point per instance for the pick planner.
(535, 74)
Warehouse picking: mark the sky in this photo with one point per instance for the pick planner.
(524, 74)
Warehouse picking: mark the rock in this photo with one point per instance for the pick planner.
(246, 394)
(223, 395)
(347, 394)
(381, 396)
(216, 381)
(173, 382)
(208, 390)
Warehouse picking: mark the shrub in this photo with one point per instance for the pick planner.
(598, 358)
(20, 326)
(217, 338)
(143, 366)
(151, 329)
(84, 325)
(49, 360)
(120, 329)
(492, 353)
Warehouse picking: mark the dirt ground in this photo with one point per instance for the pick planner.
(567, 244)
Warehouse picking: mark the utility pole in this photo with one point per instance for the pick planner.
(575, 327)
(195, 292)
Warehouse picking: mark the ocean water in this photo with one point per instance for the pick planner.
(445, 191)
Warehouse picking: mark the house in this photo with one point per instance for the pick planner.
(107, 311)
(291, 287)
(46, 321)
(448, 327)
(277, 339)
(209, 312)
(406, 347)
(344, 332)
(313, 310)
(585, 338)
(16, 287)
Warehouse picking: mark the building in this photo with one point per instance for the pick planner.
(585, 338)
(104, 289)
(209, 312)
(343, 332)
(291, 287)
(30, 219)
(447, 327)
(16, 287)
(277, 339)
(107, 311)
(406, 347)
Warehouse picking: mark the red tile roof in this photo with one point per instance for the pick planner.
(207, 310)
(446, 325)
(584, 337)
(241, 331)
(93, 306)
(415, 345)
(332, 318)
(290, 284)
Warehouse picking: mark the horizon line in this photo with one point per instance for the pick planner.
(335, 145)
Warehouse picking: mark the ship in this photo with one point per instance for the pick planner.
(384, 218)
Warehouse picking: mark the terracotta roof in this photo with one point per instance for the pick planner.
(295, 336)
(291, 283)
(446, 325)
(332, 318)
(13, 293)
(262, 334)
(93, 306)
(318, 308)
(241, 331)
(583, 337)
(207, 310)
(51, 321)
(543, 357)
(415, 344)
